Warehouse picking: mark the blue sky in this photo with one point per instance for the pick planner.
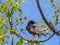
(30, 10)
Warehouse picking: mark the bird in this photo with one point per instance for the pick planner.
(34, 30)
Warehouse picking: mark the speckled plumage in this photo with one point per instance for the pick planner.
(33, 29)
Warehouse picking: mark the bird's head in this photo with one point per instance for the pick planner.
(30, 23)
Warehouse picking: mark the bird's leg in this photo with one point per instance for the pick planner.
(36, 37)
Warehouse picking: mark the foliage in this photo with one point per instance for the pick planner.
(9, 20)
(7, 11)
(19, 42)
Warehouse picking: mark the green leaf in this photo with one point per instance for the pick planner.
(25, 18)
(10, 1)
(46, 31)
(56, 8)
(19, 42)
(20, 19)
(20, 10)
(32, 43)
(51, 25)
(53, 4)
(51, 0)
(38, 43)
(55, 13)
(21, 23)
(16, 20)
(2, 7)
(40, 21)
(43, 26)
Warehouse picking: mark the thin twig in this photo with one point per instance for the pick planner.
(45, 20)
(6, 26)
(36, 41)
(10, 22)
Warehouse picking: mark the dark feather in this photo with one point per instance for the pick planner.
(31, 29)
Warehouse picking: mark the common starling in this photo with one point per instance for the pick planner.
(34, 30)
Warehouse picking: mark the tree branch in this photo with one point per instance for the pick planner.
(10, 22)
(45, 20)
(36, 41)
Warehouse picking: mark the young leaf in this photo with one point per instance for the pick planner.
(51, 25)
(51, 0)
(46, 31)
(32, 43)
(19, 42)
(20, 10)
(40, 21)
(20, 19)
(25, 18)
(38, 43)
(21, 23)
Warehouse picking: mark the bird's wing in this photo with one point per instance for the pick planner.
(35, 30)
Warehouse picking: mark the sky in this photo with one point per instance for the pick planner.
(29, 9)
